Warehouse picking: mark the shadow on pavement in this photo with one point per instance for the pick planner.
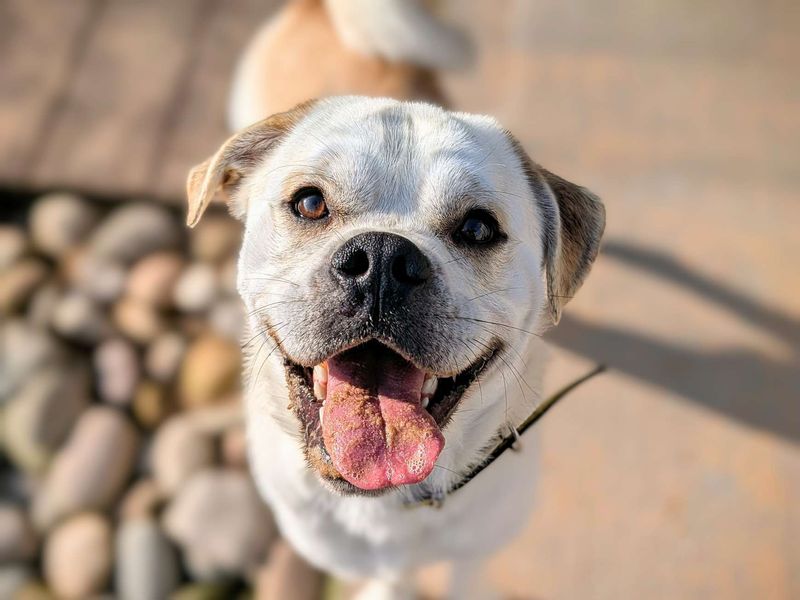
(739, 383)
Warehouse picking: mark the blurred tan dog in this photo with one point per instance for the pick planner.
(398, 267)
(319, 48)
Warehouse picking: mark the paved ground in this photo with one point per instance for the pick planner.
(676, 474)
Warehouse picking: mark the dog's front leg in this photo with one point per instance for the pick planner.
(468, 582)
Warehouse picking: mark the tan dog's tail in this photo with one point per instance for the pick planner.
(318, 48)
(399, 31)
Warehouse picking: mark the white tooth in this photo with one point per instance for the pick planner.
(320, 415)
(320, 389)
(321, 373)
(425, 401)
(429, 386)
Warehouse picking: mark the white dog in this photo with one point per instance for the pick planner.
(399, 264)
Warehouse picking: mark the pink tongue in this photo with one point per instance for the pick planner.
(374, 427)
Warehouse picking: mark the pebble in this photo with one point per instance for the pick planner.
(24, 349)
(41, 414)
(92, 468)
(12, 245)
(138, 320)
(215, 238)
(196, 289)
(163, 357)
(287, 575)
(42, 304)
(179, 450)
(77, 556)
(147, 567)
(205, 591)
(227, 277)
(142, 500)
(13, 579)
(152, 279)
(151, 404)
(117, 366)
(133, 231)
(60, 221)
(234, 447)
(78, 318)
(18, 282)
(17, 537)
(209, 370)
(101, 279)
(227, 318)
(221, 524)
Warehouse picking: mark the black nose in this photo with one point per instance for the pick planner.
(383, 267)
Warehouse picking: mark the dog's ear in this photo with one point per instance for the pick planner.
(573, 223)
(224, 171)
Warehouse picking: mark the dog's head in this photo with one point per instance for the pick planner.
(393, 252)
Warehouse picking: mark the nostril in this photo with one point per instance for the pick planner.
(355, 265)
(409, 269)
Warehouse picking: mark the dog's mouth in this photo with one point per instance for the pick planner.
(372, 418)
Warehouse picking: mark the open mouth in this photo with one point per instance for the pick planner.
(373, 419)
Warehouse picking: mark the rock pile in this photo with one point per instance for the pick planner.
(124, 469)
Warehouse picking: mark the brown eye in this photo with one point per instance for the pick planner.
(309, 204)
(478, 227)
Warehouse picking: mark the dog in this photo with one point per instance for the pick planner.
(398, 266)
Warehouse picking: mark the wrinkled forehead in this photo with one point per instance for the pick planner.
(399, 156)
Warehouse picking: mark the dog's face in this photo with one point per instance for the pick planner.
(393, 253)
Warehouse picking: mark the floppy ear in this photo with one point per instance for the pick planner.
(573, 223)
(236, 158)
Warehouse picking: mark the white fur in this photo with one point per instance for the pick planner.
(441, 156)
(399, 31)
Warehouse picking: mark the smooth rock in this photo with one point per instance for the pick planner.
(151, 404)
(228, 277)
(234, 447)
(210, 369)
(153, 278)
(18, 282)
(227, 318)
(92, 468)
(13, 245)
(147, 567)
(163, 357)
(34, 590)
(215, 238)
(142, 500)
(78, 318)
(40, 415)
(59, 221)
(204, 591)
(101, 279)
(133, 231)
(77, 556)
(179, 450)
(287, 575)
(18, 540)
(24, 349)
(117, 366)
(13, 579)
(42, 304)
(221, 524)
(197, 288)
(138, 320)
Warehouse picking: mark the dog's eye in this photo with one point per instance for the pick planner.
(308, 203)
(478, 227)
